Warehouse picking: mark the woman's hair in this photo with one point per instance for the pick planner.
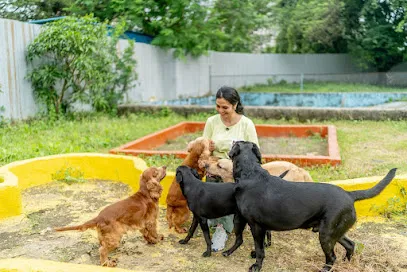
(232, 96)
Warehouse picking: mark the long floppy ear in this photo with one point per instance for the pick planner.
(256, 152)
(234, 151)
(179, 177)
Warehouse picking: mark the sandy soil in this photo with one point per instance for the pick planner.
(381, 246)
(315, 145)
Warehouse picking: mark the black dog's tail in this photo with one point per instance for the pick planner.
(369, 193)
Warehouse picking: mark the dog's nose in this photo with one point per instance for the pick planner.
(206, 165)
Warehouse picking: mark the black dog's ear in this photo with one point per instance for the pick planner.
(234, 151)
(179, 176)
(284, 173)
(195, 173)
(256, 152)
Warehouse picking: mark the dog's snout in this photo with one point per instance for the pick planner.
(206, 165)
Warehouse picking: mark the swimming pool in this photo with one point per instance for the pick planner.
(318, 100)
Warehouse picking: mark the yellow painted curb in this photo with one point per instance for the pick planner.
(390, 199)
(33, 265)
(24, 174)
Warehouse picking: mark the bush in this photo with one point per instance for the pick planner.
(74, 60)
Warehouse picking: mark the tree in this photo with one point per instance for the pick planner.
(24, 10)
(311, 26)
(189, 26)
(180, 24)
(380, 41)
(74, 60)
(241, 23)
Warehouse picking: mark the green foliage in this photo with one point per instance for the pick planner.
(310, 26)
(24, 10)
(373, 31)
(394, 206)
(380, 41)
(240, 21)
(190, 27)
(101, 132)
(69, 175)
(75, 61)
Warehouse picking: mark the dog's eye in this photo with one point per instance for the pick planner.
(219, 166)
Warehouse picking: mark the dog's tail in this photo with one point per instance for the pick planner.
(87, 225)
(377, 189)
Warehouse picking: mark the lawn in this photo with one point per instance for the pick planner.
(319, 87)
(367, 148)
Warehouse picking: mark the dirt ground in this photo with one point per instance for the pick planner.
(381, 246)
(313, 145)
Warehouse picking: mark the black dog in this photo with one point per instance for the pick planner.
(206, 200)
(209, 200)
(270, 203)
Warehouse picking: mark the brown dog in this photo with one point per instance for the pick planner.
(223, 169)
(177, 206)
(139, 211)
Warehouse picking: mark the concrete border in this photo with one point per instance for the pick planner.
(24, 174)
(145, 145)
(300, 113)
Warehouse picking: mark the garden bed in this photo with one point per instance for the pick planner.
(381, 246)
(274, 140)
(313, 145)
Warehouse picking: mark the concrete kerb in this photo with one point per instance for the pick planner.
(300, 113)
(24, 174)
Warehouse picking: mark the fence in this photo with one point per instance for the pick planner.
(161, 77)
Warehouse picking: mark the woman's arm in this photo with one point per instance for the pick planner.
(208, 133)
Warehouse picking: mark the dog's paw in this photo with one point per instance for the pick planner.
(183, 241)
(254, 268)
(206, 254)
(181, 230)
(110, 263)
(226, 253)
(327, 268)
(253, 254)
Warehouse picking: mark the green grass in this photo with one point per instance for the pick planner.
(319, 87)
(367, 147)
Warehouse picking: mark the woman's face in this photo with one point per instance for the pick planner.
(224, 108)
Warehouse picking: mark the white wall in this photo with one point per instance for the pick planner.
(16, 96)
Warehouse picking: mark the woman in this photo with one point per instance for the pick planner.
(222, 129)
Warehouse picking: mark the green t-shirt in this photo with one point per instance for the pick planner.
(223, 136)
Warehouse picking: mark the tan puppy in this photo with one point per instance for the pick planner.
(139, 211)
(223, 169)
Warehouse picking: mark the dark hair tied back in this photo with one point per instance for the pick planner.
(232, 96)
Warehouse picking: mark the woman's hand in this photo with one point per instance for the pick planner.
(211, 146)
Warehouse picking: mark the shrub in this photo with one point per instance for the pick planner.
(74, 60)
